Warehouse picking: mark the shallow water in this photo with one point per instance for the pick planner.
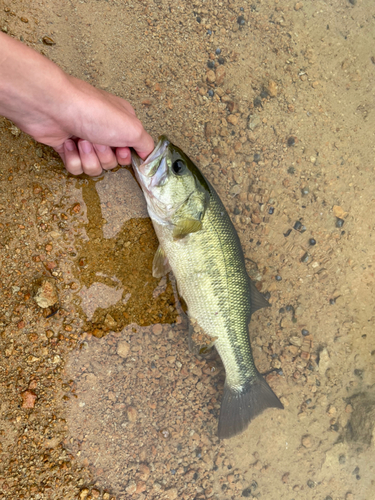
(287, 136)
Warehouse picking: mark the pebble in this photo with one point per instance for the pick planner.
(210, 64)
(233, 119)
(298, 6)
(210, 93)
(211, 77)
(339, 222)
(324, 361)
(241, 20)
(132, 414)
(305, 258)
(28, 399)
(339, 212)
(220, 75)
(307, 441)
(305, 332)
(285, 477)
(46, 295)
(291, 141)
(297, 225)
(278, 277)
(218, 51)
(131, 488)
(272, 88)
(246, 492)
(254, 122)
(257, 157)
(83, 494)
(305, 191)
(123, 349)
(47, 40)
(144, 472)
(171, 493)
(271, 210)
(157, 329)
(312, 242)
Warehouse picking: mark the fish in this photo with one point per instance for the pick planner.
(199, 244)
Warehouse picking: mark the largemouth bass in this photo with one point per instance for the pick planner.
(199, 243)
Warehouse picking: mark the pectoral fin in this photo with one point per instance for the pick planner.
(160, 265)
(185, 227)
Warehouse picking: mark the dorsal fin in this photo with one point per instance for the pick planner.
(256, 298)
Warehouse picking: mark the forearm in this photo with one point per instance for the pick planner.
(28, 81)
(89, 128)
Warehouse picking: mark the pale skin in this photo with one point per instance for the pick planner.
(92, 130)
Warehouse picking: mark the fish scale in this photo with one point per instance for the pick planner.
(208, 263)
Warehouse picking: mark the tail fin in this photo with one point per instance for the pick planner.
(239, 407)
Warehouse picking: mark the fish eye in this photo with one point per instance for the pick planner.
(178, 167)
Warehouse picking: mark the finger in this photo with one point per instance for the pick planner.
(143, 143)
(106, 156)
(71, 158)
(123, 156)
(90, 162)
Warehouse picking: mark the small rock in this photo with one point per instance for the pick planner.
(123, 349)
(144, 472)
(211, 77)
(15, 130)
(296, 341)
(110, 322)
(272, 88)
(132, 414)
(157, 329)
(47, 40)
(46, 296)
(235, 190)
(254, 122)
(324, 361)
(233, 119)
(83, 494)
(307, 441)
(331, 410)
(339, 212)
(298, 6)
(131, 488)
(255, 219)
(171, 493)
(28, 399)
(220, 75)
(285, 477)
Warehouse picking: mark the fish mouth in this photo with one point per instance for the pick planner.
(149, 167)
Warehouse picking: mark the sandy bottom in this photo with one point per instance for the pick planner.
(100, 397)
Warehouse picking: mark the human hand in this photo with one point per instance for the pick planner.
(99, 132)
(89, 128)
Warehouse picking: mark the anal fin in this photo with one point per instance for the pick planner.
(256, 298)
